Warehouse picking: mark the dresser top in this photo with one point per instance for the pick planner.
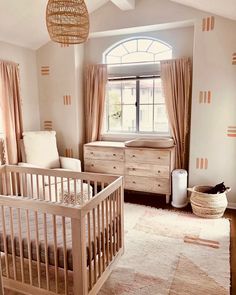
(114, 144)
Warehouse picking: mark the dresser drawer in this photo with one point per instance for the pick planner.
(100, 166)
(104, 153)
(147, 184)
(147, 156)
(147, 170)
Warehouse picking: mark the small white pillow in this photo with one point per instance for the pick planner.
(41, 149)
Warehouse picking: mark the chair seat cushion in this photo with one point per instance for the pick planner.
(41, 149)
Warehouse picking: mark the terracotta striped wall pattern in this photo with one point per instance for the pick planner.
(67, 100)
(202, 163)
(47, 125)
(69, 153)
(234, 59)
(231, 131)
(63, 45)
(205, 97)
(208, 24)
(45, 70)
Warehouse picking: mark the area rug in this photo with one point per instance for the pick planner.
(173, 253)
(168, 252)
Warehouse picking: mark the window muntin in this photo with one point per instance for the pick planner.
(136, 106)
(139, 50)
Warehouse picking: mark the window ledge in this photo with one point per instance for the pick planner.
(130, 136)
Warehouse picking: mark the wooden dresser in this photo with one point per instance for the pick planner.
(144, 169)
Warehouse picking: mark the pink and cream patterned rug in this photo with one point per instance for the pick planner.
(173, 253)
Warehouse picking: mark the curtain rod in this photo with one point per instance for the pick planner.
(133, 78)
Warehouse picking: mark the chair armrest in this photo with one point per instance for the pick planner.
(21, 164)
(70, 164)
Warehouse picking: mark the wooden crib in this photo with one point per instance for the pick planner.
(50, 245)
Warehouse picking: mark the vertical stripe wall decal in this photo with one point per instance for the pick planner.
(69, 153)
(234, 59)
(67, 100)
(208, 24)
(202, 163)
(205, 97)
(231, 131)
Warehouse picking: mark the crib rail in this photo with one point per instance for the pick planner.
(50, 245)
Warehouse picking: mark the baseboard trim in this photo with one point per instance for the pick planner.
(231, 206)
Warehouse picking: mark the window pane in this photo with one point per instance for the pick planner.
(113, 59)
(129, 92)
(131, 45)
(160, 119)
(114, 93)
(143, 44)
(146, 91)
(146, 118)
(138, 57)
(114, 117)
(158, 93)
(129, 118)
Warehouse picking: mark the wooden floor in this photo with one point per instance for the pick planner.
(159, 202)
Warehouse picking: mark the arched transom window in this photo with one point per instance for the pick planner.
(138, 50)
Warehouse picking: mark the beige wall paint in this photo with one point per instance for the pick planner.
(213, 152)
(181, 40)
(60, 95)
(26, 59)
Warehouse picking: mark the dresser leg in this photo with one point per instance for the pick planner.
(167, 199)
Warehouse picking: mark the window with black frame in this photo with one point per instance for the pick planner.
(135, 104)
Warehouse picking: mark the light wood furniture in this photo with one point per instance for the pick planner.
(144, 169)
(84, 241)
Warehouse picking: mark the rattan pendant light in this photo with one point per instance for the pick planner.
(67, 21)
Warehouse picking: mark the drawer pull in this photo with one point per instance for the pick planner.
(159, 158)
(91, 153)
(159, 185)
(114, 155)
(133, 169)
(159, 171)
(114, 167)
(133, 156)
(134, 182)
(92, 165)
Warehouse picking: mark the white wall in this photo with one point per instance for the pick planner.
(64, 78)
(181, 40)
(26, 59)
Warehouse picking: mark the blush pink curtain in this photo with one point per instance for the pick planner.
(10, 106)
(95, 92)
(176, 81)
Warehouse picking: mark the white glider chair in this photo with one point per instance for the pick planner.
(39, 150)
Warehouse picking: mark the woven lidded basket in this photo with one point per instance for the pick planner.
(208, 205)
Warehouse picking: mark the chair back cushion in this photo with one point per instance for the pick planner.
(40, 149)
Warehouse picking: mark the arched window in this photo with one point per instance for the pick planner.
(138, 50)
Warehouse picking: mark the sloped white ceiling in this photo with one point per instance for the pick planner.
(225, 8)
(22, 22)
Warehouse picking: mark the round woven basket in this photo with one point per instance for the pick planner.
(208, 205)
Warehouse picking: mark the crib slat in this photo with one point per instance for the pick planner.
(11, 184)
(118, 221)
(110, 227)
(75, 191)
(65, 254)
(29, 246)
(50, 188)
(12, 243)
(94, 247)
(5, 241)
(21, 185)
(90, 251)
(46, 249)
(32, 185)
(43, 184)
(82, 191)
(56, 194)
(37, 248)
(103, 238)
(114, 223)
(55, 251)
(99, 241)
(21, 248)
(89, 189)
(107, 234)
(62, 189)
(16, 183)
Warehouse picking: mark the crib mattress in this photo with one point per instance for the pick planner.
(50, 238)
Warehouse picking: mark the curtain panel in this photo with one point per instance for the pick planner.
(11, 114)
(176, 78)
(95, 92)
